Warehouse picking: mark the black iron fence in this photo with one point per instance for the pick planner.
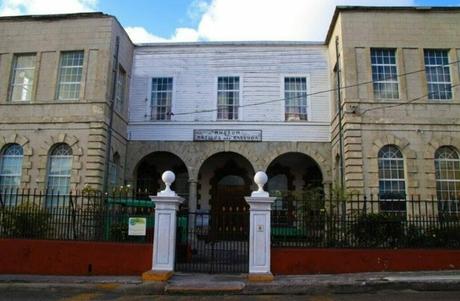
(297, 220)
(213, 242)
(364, 222)
(83, 216)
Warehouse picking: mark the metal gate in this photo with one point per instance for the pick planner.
(213, 243)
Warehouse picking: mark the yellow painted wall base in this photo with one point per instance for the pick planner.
(156, 276)
(260, 277)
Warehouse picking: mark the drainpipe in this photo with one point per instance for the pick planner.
(112, 106)
(339, 99)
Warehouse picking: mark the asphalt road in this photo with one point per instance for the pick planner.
(378, 296)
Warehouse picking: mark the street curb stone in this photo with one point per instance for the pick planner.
(238, 284)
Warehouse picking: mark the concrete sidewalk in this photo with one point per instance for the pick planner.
(182, 283)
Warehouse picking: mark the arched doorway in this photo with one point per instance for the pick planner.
(298, 212)
(225, 179)
(218, 231)
(149, 171)
(229, 185)
(295, 172)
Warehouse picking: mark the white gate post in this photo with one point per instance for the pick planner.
(259, 231)
(164, 239)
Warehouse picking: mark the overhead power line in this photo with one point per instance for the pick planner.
(302, 95)
(402, 103)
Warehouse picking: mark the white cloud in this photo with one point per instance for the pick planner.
(243, 20)
(37, 7)
(185, 35)
(274, 19)
(141, 35)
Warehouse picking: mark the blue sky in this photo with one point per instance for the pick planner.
(195, 20)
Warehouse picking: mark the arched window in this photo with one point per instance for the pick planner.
(114, 166)
(391, 173)
(11, 167)
(59, 169)
(447, 167)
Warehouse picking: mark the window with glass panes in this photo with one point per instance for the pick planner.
(161, 98)
(11, 167)
(392, 184)
(228, 97)
(447, 167)
(22, 77)
(70, 73)
(437, 72)
(120, 90)
(384, 73)
(295, 95)
(113, 170)
(59, 169)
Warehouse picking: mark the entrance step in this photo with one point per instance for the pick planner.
(205, 283)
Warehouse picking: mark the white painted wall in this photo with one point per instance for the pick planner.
(261, 68)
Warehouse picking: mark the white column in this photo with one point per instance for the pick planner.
(259, 232)
(164, 240)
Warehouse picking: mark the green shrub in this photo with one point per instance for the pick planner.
(27, 220)
(119, 231)
(378, 230)
(447, 235)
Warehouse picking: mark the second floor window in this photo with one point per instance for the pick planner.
(384, 73)
(228, 97)
(70, 71)
(295, 95)
(438, 74)
(22, 77)
(120, 90)
(161, 100)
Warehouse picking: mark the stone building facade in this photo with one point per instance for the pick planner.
(416, 111)
(397, 70)
(56, 75)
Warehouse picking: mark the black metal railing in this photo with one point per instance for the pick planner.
(83, 215)
(364, 222)
(213, 242)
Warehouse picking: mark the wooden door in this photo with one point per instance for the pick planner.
(230, 217)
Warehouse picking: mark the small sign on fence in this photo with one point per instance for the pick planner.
(137, 226)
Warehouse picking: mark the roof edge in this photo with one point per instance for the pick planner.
(81, 15)
(341, 8)
(230, 43)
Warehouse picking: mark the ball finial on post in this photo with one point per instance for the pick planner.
(260, 179)
(168, 178)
